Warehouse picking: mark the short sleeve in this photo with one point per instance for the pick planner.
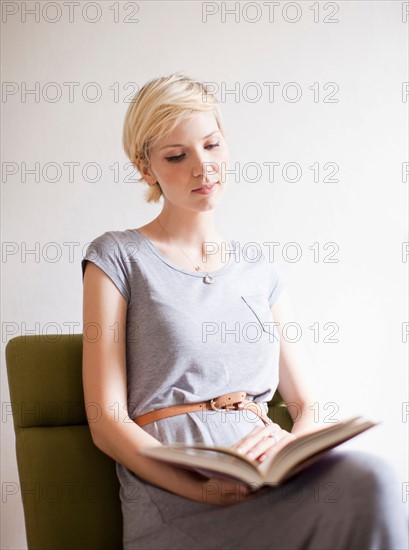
(276, 281)
(106, 252)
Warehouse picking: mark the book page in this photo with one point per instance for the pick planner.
(298, 450)
(218, 449)
(202, 459)
(279, 462)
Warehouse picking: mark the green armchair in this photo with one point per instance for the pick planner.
(69, 488)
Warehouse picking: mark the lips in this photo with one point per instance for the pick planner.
(207, 186)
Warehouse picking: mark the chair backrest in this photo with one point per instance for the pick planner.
(69, 488)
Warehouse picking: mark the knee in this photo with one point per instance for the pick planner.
(367, 474)
(375, 493)
(365, 464)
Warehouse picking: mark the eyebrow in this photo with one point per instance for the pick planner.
(181, 144)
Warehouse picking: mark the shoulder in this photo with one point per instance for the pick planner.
(116, 253)
(117, 243)
(116, 235)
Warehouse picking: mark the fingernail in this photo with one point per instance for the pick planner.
(240, 450)
(250, 454)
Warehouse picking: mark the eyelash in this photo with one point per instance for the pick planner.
(179, 157)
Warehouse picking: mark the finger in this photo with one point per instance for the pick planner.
(277, 446)
(246, 437)
(258, 435)
(273, 431)
(265, 444)
(246, 444)
(273, 439)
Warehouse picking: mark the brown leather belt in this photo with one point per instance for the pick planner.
(228, 401)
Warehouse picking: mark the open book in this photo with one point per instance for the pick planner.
(291, 458)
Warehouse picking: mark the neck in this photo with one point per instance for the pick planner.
(189, 229)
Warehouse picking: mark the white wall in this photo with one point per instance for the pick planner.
(364, 133)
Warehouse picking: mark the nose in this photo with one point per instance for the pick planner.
(202, 166)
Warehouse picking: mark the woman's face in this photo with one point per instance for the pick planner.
(191, 156)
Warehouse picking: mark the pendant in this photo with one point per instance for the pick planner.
(208, 279)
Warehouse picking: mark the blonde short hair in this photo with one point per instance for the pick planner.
(155, 110)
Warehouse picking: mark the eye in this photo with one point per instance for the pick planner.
(175, 159)
(179, 157)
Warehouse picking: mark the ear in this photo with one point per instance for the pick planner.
(146, 173)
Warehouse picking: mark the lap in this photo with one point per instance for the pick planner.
(317, 507)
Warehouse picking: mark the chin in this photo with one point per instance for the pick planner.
(209, 205)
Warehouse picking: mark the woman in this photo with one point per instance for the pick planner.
(176, 314)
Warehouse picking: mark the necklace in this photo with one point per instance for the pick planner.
(208, 279)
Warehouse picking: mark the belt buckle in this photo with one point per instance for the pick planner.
(215, 408)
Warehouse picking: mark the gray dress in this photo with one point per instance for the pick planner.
(189, 341)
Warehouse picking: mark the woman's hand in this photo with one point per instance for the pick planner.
(263, 442)
(224, 492)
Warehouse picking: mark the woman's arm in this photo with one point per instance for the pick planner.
(293, 386)
(105, 393)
